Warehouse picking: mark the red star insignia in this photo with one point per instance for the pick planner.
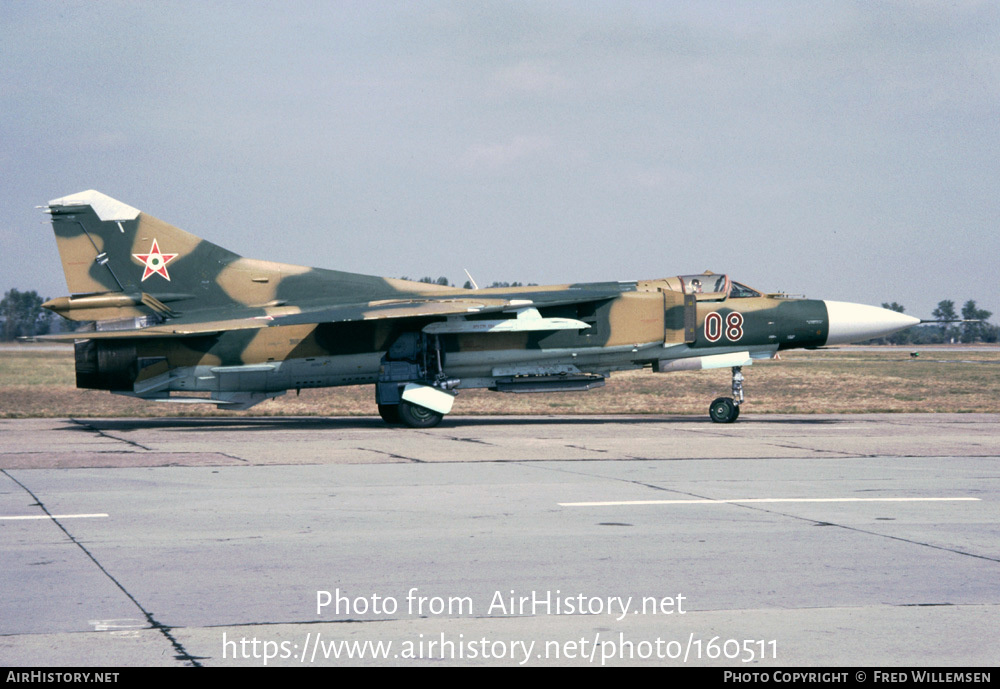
(155, 261)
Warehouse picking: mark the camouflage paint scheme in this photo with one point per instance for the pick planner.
(166, 312)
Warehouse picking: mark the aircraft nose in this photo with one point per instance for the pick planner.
(856, 322)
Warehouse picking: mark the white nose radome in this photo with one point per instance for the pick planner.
(855, 322)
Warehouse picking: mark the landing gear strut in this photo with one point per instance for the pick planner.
(412, 388)
(726, 409)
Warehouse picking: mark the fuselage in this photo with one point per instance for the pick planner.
(649, 324)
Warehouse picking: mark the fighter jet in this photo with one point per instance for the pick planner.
(167, 316)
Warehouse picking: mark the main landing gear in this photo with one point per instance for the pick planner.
(726, 409)
(412, 388)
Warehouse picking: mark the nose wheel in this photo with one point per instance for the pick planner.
(727, 409)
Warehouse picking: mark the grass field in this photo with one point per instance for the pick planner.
(39, 381)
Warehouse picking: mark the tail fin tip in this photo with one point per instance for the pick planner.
(104, 206)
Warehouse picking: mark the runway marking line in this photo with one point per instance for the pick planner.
(617, 503)
(54, 516)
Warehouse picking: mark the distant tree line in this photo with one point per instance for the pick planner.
(468, 283)
(945, 333)
(23, 316)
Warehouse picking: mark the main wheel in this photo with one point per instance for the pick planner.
(724, 410)
(389, 413)
(415, 416)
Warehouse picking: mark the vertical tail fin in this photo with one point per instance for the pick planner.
(108, 246)
(122, 263)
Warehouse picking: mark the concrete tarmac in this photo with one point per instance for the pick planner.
(869, 540)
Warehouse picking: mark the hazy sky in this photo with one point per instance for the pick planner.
(842, 150)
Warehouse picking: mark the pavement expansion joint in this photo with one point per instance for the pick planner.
(98, 431)
(181, 654)
(868, 532)
(392, 455)
(840, 453)
(457, 439)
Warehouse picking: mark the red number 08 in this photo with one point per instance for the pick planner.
(733, 329)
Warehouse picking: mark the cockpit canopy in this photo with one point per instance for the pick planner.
(707, 283)
(711, 287)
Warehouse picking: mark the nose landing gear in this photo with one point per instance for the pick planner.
(726, 409)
